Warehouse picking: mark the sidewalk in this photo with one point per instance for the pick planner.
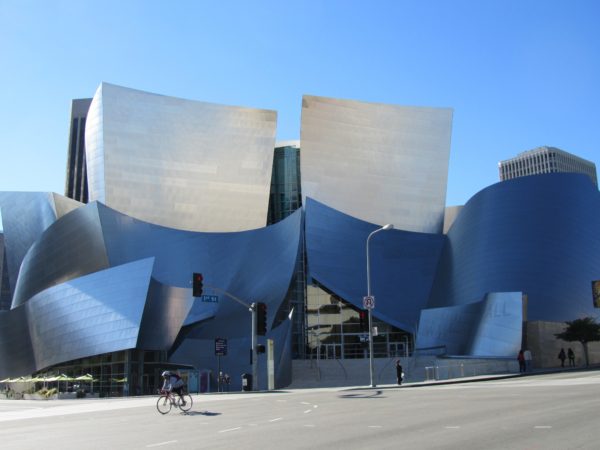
(546, 371)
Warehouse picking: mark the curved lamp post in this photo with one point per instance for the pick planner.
(389, 226)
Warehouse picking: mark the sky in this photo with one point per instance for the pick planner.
(518, 74)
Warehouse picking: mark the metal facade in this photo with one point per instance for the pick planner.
(491, 327)
(97, 281)
(537, 235)
(179, 163)
(379, 163)
(403, 263)
(25, 216)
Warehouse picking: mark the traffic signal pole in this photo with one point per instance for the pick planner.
(253, 352)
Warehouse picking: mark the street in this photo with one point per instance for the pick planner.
(555, 411)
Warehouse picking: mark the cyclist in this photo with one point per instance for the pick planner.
(173, 382)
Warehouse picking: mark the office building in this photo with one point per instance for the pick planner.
(545, 160)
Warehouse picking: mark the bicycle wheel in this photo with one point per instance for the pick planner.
(163, 404)
(187, 398)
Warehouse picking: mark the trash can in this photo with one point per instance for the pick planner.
(246, 382)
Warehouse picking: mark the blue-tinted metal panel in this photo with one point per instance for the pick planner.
(254, 265)
(166, 309)
(71, 247)
(91, 315)
(25, 216)
(402, 263)
(489, 328)
(536, 234)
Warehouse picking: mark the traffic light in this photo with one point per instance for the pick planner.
(197, 280)
(261, 319)
(363, 320)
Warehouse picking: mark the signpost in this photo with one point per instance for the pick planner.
(220, 350)
(210, 298)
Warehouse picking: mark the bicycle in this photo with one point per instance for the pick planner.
(168, 399)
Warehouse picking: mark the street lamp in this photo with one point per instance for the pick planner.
(370, 304)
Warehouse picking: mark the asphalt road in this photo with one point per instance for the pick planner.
(557, 411)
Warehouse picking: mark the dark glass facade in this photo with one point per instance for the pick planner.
(76, 186)
(285, 198)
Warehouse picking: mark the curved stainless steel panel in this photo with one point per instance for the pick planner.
(94, 314)
(75, 309)
(180, 163)
(253, 265)
(71, 247)
(492, 327)
(164, 314)
(537, 235)
(25, 216)
(379, 163)
(403, 263)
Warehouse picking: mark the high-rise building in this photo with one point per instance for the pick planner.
(76, 186)
(545, 160)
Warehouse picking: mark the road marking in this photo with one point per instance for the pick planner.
(160, 443)
(309, 425)
(230, 429)
(315, 406)
(375, 426)
(275, 420)
(544, 427)
(452, 428)
(304, 403)
(307, 411)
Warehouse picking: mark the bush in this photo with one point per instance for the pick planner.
(51, 392)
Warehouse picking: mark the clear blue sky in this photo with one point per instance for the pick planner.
(518, 74)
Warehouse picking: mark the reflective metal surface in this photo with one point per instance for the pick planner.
(98, 281)
(491, 327)
(376, 162)
(25, 216)
(403, 263)
(180, 163)
(537, 235)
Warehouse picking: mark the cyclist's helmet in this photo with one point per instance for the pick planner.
(166, 373)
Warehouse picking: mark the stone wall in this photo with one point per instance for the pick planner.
(544, 346)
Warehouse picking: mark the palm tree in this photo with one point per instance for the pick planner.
(582, 330)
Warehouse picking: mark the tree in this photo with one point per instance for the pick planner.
(582, 330)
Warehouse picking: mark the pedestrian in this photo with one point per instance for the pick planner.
(399, 372)
(571, 355)
(528, 358)
(562, 356)
(521, 359)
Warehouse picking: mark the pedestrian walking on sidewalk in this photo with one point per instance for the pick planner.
(399, 372)
(562, 356)
(521, 359)
(571, 355)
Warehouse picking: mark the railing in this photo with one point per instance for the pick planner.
(465, 369)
